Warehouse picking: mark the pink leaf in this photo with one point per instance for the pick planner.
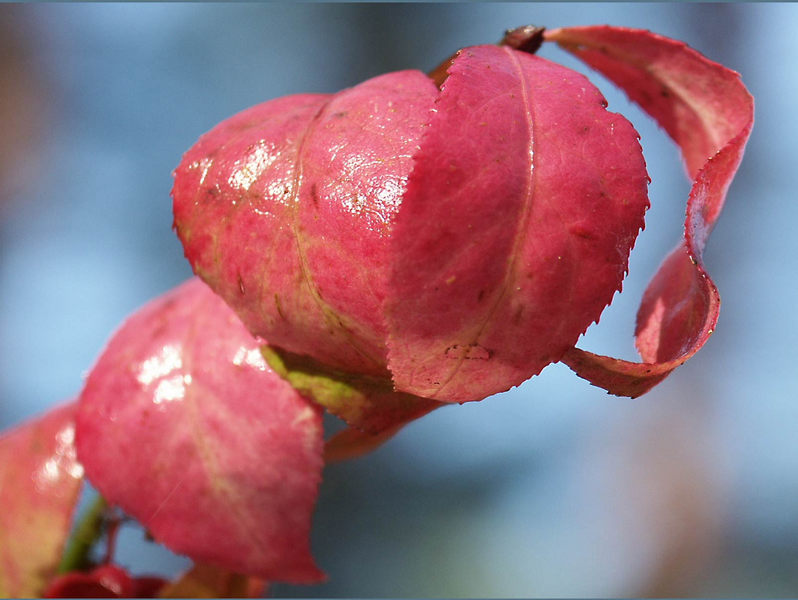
(708, 112)
(515, 231)
(286, 209)
(40, 481)
(183, 425)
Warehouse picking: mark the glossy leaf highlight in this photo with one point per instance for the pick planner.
(184, 426)
(286, 210)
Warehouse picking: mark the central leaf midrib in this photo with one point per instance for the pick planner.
(520, 231)
(330, 316)
(220, 485)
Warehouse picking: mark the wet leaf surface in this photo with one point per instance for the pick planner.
(286, 210)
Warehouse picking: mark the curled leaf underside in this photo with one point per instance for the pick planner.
(708, 112)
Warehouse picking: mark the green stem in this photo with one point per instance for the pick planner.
(87, 533)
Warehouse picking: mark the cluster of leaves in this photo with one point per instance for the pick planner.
(410, 242)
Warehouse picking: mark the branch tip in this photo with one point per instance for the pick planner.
(527, 38)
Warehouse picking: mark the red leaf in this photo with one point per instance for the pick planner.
(184, 426)
(40, 481)
(515, 231)
(708, 112)
(285, 210)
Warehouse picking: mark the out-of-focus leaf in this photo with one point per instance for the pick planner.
(183, 425)
(206, 581)
(515, 231)
(352, 443)
(40, 481)
(709, 113)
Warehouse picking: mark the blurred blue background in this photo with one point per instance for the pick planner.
(551, 489)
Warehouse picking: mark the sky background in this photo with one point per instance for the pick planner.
(551, 489)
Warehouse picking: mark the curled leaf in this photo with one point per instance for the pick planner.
(40, 481)
(708, 112)
(183, 425)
